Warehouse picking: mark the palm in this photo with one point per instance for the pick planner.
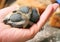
(6, 30)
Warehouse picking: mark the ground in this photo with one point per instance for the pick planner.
(48, 34)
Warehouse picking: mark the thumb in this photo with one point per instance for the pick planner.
(43, 18)
(46, 14)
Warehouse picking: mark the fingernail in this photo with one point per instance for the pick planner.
(55, 6)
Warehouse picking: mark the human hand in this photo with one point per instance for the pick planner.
(10, 34)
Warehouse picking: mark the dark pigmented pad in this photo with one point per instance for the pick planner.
(14, 11)
(5, 21)
(24, 9)
(34, 16)
(15, 17)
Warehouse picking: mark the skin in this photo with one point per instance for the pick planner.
(10, 34)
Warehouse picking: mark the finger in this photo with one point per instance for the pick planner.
(43, 18)
(35, 28)
(46, 14)
(55, 6)
(5, 11)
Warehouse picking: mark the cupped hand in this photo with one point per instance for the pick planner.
(10, 34)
